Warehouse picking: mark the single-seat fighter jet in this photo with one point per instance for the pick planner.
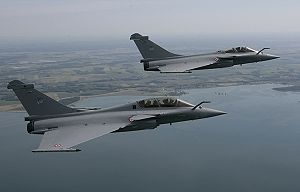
(63, 127)
(156, 58)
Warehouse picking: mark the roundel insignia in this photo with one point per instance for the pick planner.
(130, 119)
(57, 145)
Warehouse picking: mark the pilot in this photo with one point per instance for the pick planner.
(243, 49)
(165, 102)
(172, 101)
(155, 103)
(142, 103)
(148, 103)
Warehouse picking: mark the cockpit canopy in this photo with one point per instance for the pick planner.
(240, 50)
(163, 102)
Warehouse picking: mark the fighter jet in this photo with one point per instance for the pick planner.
(63, 127)
(156, 58)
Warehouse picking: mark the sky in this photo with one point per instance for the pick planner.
(108, 19)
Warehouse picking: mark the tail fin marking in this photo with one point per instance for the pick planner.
(149, 49)
(35, 102)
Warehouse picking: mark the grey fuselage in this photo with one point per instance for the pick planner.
(120, 114)
(218, 59)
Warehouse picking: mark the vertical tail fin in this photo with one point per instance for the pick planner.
(35, 102)
(149, 49)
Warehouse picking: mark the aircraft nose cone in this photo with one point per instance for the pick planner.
(213, 112)
(270, 57)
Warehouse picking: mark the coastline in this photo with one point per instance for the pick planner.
(17, 107)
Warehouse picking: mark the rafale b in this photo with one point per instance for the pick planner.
(156, 58)
(63, 127)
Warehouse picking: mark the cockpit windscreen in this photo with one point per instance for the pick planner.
(240, 50)
(162, 102)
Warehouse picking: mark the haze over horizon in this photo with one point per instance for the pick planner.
(68, 20)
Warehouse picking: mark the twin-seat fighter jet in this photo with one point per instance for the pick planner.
(63, 127)
(156, 58)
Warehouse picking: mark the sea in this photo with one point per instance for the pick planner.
(254, 147)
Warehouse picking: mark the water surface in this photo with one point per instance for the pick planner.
(255, 147)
